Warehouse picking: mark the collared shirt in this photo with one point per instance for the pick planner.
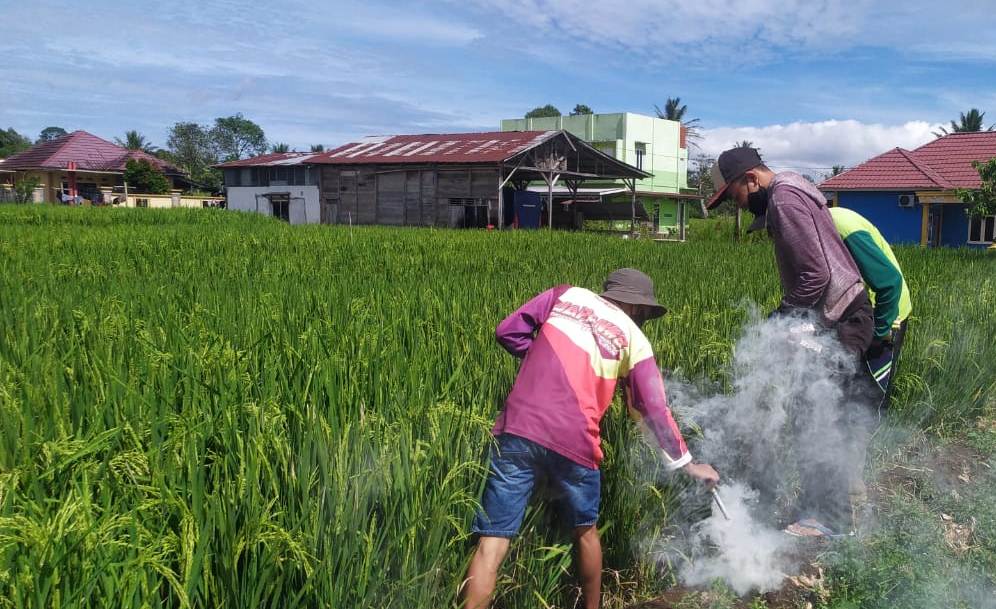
(576, 346)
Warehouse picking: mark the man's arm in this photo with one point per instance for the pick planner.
(516, 332)
(796, 229)
(881, 276)
(647, 397)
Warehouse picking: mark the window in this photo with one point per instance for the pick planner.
(608, 148)
(641, 151)
(233, 177)
(475, 212)
(141, 202)
(260, 176)
(281, 206)
(982, 230)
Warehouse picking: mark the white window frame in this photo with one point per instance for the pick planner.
(640, 149)
(982, 229)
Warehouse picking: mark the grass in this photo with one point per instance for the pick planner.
(200, 408)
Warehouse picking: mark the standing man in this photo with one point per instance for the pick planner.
(887, 291)
(575, 345)
(817, 275)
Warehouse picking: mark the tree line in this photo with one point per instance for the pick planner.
(190, 146)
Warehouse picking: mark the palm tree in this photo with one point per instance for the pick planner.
(969, 122)
(280, 148)
(133, 140)
(746, 144)
(674, 110)
(318, 148)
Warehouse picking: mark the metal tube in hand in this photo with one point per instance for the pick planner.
(719, 502)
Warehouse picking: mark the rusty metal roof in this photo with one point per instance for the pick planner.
(89, 152)
(491, 146)
(267, 160)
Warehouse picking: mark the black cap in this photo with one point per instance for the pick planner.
(730, 165)
(632, 287)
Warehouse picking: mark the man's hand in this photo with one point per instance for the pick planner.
(878, 346)
(703, 472)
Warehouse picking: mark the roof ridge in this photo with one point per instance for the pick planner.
(858, 166)
(925, 169)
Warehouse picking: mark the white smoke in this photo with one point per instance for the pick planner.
(790, 422)
(746, 553)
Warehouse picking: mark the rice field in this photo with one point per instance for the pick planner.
(208, 409)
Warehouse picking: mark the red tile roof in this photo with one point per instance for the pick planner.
(942, 164)
(274, 158)
(89, 152)
(492, 146)
(951, 156)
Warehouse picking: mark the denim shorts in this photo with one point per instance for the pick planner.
(517, 464)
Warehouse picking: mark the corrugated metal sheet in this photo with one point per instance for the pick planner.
(434, 148)
(266, 160)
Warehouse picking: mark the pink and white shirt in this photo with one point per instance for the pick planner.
(576, 346)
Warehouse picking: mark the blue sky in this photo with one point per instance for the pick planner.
(812, 83)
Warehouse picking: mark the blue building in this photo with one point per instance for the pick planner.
(910, 195)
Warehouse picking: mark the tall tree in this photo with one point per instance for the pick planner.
(191, 149)
(317, 148)
(968, 122)
(50, 133)
(237, 137)
(133, 140)
(280, 147)
(581, 109)
(12, 142)
(836, 170)
(543, 111)
(674, 110)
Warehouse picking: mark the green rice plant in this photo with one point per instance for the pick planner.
(201, 408)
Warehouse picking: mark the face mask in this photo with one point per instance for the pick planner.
(757, 201)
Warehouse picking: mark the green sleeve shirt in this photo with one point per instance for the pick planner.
(879, 268)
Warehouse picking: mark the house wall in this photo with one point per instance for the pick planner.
(897, 224)
(618, 134)
(304, 205)
(665, 158)
(409, 196)
(954, 227)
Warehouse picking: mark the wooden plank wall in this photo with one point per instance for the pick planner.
(419, 196)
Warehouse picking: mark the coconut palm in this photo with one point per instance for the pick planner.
(674, 110)
(133, 140)
(969, 122)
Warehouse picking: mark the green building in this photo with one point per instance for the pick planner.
(655, 145)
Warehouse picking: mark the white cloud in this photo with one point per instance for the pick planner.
(387, 24)
(692, 32)
(819, 145)
(727, 34)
